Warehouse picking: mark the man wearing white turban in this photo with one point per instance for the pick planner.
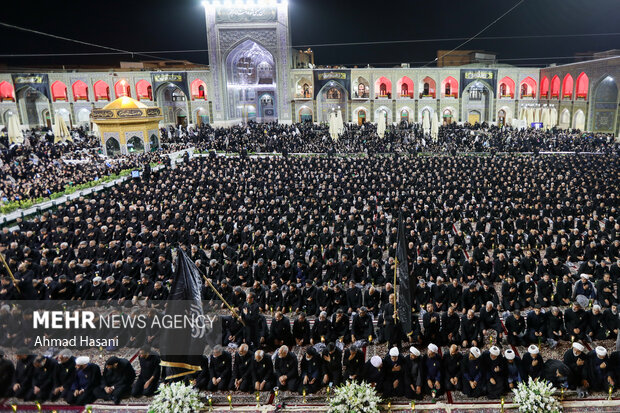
(599, 369)
(87, 377)
(576, 359)
(495, 369)
(473, 374)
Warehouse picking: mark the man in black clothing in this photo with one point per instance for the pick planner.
(148, 380)
(332, 365)
(285, 367)
(44, 370)
(6, 375)
(362, 327)
(87, 378)
(24, 369)
(241, 379)
(262, 372)
(575, 358)
(353, 363)
(450, 327)
(220, 369)
(117, 379)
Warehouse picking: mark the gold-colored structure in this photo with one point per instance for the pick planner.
(128, 126)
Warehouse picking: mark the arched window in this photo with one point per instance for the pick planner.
(555, 87)
(121, 88)
(528, 88)
(567, 87)
(102, 90)
(405, 87)
(507, 88)
(198, 89)
(80, 90)
(582, 86)
(384, 88)
(544, 87)
(450, 87)
(428, 87)
(59, 91)
(7, 93)
(144, 91)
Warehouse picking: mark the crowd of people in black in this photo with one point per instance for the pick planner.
(404, 137)
(526, 249)
(41, 167)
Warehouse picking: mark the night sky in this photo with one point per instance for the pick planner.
(158, 25)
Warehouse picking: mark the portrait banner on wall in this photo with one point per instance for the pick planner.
(324, 76)
(488, 76)
(179, 79)
(37, 81)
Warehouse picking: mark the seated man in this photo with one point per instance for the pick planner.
(64, 375)
(432, 367)
(22, 381)
(472, 374)
(6, 375)
(373, 373)
(286, 371)
(394, 374)
(536, 326)
(241, 379)
(515, 326)
(42, 379)
(310, 372)
(575, 359)
(513, 369)
(600, 373)
(532, 363)
(262, 372)
(87, 378)
(489, 319)
(220, 369)
(118, 376)
(150, 371)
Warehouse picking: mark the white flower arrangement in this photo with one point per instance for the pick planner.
(176, 397)
(536, 396)
(354, 397)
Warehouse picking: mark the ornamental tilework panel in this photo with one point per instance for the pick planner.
(230, 37)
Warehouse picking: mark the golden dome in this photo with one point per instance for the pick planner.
(125, 102)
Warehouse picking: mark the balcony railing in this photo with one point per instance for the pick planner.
(530, 95)
(450, 95)
(361, 95)
(303, 95)
(568, 96)
(507, 96)
(582, 96)
(430, 95)
(383, 96)
(405, 95)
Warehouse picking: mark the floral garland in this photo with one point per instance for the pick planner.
(176, 397)
(354, 397)
(536, 396)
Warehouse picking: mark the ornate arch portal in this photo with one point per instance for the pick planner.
(251, 82)
(173, 103)
(331, 97)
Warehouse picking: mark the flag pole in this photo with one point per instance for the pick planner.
(232, 310)
(10, 273)
(395, 291)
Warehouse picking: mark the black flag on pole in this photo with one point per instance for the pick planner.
(182, 346)
(404, 290)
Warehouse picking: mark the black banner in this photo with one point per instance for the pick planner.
(324, 76)
(404, 289)
(184, 298)
(37, 81)
(488, 76)
(178, 79)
